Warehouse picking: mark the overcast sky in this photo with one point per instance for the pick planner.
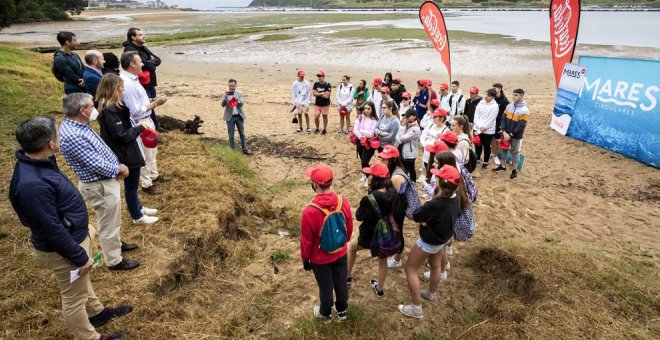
(208, 4)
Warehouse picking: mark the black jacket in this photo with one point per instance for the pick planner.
(70, 68)
(440, 216)
(149, 60)
(470, 107)
(502, 102)
(121, 136)
(48, 203)
(397, 95)
(387, 202)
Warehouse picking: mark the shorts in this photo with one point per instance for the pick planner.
(428, 248)
(321, 110)
(301, 109)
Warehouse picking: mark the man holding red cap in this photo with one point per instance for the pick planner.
(301, 95)
(376, 96)
(321, 91)
(232, 101)
(325, 228)
(421, 99)
(471, 103)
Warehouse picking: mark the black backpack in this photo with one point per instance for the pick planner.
(471, 165)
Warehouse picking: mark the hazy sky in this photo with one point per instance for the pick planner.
(208, 4)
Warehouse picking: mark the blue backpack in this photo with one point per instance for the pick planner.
(333, 231)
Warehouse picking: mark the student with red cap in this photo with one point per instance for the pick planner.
(382, 191)
(345, 103)
(376, 96)
(385, 93)
(430, 135)
(422, 98)
(321, 91)
(471, 103)
(405, 102)
(443, 97)
(325, 227)
(301, 95)
(436, 220)
(429, 184)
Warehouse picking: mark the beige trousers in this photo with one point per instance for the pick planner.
(78, 299)
(106, 199)
(149, 172)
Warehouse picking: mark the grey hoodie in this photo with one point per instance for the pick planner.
(390, 125)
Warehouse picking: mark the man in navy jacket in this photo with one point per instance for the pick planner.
(93, 71)
(47, 202)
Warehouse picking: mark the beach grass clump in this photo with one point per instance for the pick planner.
(235, 162)
(275, 37)
(395, 34)
(201, 34)
(359, 318)
(279, 256)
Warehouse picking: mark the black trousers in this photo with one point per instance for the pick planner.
(409, 164)
(365, 155)
(151, 92)
(485, 145)
(332, 277)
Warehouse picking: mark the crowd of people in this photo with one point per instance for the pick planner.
(392, 124)
(453, 132)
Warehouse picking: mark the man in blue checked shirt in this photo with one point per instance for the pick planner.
(99, 173)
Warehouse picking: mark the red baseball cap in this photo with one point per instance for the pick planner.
(405, 95)
(448, 173)
(476, 140)
(449, 137)
(320, 74)
(320, 174)
(437, 146)
(474, 89)
(385, 89)
(377, 169)
(301, 73)
(378, 81)
(444, 86)
(429, 82)
(389, 151)
(439, 113)
(435, 102)
(232, 103)
(423, 82)
(149, 138)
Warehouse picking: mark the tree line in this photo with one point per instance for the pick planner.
(24, 11)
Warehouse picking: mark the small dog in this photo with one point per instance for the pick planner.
(192, 126)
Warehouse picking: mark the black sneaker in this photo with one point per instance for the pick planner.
(374, 286)
(499, 169)
(109, 313)
(484, 166)
(324, 132)
(317, 131)
(514, 174)
(342, 315)
(348, 282)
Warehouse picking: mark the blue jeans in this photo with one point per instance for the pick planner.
(131, 184)
(237, 121)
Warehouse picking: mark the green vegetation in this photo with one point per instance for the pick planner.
(235, 162)
(229, 31)
(274, 37)
(358, 321)
(410, 33)
(22, 11)
(284, 185)
(445, 3)
(279, 256)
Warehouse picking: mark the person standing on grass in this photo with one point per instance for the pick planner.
(456, 100)
(321, 91)
(388, 124)
(93, 71)
(381, 189)
(364, 130)
(137, 101)
(345, 103)
(376, 96)
(485, 124)
(49, 204)
(407, 141)
(328, 214)
(122, 135)
(514, 122)
(361, 96)
(436, 220)
(301, 95)
(235, 116)
(67, 66)
(502, 103)
(135, 41)
(99, 172)
(471, 103)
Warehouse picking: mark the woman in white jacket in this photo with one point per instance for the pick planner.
(345, 103)
(430, 135)
(485, 119)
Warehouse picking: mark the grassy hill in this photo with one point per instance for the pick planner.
(446, 3)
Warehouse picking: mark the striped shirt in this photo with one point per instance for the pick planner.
(86, 153)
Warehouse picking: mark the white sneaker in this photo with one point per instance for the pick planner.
(450, 251)
(317, 314)
(412, 311)
(448, 266)
(496, 160)
(146, 219)
(392, 263)
(149, 211)
(363, 178)
(443, 275)
(433, 297)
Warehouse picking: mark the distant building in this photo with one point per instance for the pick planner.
(129, 4)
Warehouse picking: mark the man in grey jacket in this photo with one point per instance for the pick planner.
(232, 101)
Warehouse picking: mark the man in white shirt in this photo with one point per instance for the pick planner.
(456, 100)
(301, 95)
(136, 99)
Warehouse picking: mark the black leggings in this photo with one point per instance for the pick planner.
(409, 164)
(485, 144)
(365, 155)
(332, 277)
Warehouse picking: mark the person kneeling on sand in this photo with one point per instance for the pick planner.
(325, 227)
(437, 218)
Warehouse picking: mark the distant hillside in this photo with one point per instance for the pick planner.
(447, 3)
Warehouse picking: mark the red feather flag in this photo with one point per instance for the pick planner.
(564, 23)
(434, 25)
